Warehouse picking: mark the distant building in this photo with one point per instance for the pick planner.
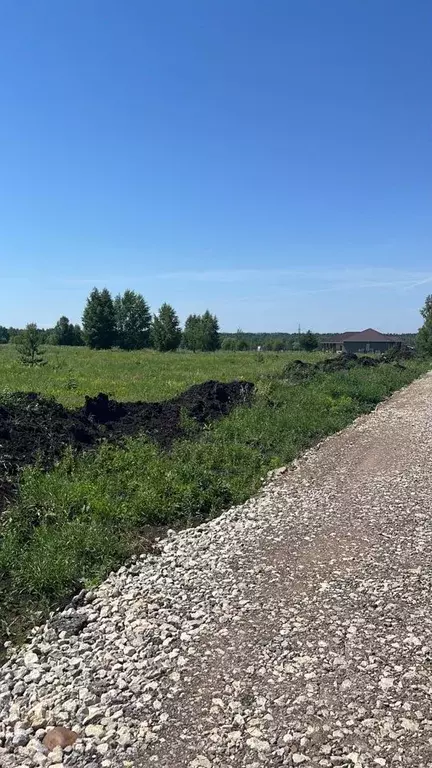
(360, 341)
(335, 344)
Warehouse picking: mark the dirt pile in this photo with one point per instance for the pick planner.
(164, 421)
(399, 352)
(299, 370)
(37, 429)
(345, 361)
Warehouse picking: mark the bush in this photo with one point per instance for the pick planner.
(229, 344)
(399, 352)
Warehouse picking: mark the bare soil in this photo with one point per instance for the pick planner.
(35, 429)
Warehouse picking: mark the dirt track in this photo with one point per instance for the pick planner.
(327, 652)
(295, 630)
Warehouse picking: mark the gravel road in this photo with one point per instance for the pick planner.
(293, 630)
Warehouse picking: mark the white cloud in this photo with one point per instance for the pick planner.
(339, 279)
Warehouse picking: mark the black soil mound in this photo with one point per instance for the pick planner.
(345, 361)
(164, 421)
(35, 429)
(298, 370)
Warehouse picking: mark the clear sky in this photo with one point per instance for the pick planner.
(268, 160)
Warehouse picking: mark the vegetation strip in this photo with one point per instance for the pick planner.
(73, 524)
(35, 428)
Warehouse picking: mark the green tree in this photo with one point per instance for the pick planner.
(210, 339)
(64, 333)
(242, 345)
(192, 333)
(4, 335)
(229, 344)
(424, 336)
(165, 331)
(78, 336)
(278, 345)
(308, 341)
(99, 320)
(201, 333)
(133, 320)
(29, 346)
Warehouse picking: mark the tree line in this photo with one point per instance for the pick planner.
(125, 322)
(271, 342)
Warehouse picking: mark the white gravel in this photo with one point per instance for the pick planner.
(293, 630)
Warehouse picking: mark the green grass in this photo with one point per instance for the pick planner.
(72, 372)
(73, 524)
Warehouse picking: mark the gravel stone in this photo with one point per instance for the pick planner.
(30, 659)
(295, 629)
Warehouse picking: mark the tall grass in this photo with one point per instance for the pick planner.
(72, 372)
(73, 524)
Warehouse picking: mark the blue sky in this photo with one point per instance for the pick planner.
(268, 160)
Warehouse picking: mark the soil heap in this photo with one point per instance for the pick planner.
(35, 429)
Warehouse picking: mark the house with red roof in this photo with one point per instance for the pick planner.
(368, 340)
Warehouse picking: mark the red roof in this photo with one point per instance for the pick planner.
(370, 334)
(338, 338)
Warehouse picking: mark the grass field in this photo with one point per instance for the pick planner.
(72, 372)
(72, 524)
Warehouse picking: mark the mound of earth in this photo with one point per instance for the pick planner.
(399, 352)
(337, 363)
(37, 429)
(299, 370)
(163, 421)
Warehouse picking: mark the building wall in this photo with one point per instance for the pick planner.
(371, 346)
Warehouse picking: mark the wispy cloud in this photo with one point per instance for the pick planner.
(331, 279)
(291, 281)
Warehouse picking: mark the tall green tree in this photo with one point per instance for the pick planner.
(133, 320)
(165, 331)
(65, 334)
(99, 320)
(4, 335)
(424, 336)
(78, 334)
(192, 333)
(308, 341)
(28, 344)
(210, 332)
(201, 333)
